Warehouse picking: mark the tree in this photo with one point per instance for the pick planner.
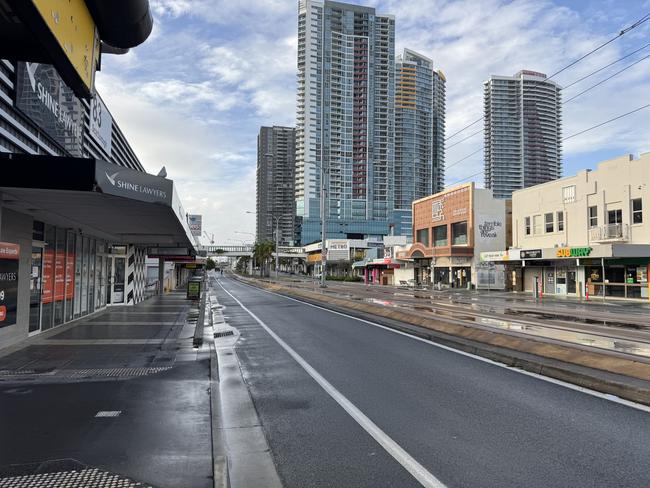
(242, 264)
(210, 264)
(262, 253)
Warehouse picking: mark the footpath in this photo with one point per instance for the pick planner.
(614, 371)
(119, 398)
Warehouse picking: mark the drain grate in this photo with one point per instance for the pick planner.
(16, 372)
(108, 413)
(225, 333)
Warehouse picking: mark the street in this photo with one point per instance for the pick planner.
(447, 418)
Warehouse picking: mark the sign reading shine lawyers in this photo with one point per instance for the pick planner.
(128, 183)
(42, 96)
(9, 255)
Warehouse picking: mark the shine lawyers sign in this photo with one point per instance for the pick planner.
(136, 185)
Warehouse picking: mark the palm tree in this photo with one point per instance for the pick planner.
(262, 252)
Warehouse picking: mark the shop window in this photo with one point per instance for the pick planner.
(560, 221)
(614, 216)
(47, 295)
(593, 217)
(637, 211)
(422, 236)
(527, 225)
(537, 224)
(459, 233)
(38, 231)
(440, 236)
(548, 222)
(59, 276)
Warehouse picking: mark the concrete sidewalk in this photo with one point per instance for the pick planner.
(121, 395)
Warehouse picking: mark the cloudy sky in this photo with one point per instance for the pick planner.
(193, 96)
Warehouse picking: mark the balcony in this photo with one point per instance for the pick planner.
(609, 233)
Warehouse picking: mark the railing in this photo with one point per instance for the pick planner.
(610, 232)
(248, 248)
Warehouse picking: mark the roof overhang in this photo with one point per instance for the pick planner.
(118, 204)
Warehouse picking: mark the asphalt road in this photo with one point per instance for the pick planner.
(467, 422)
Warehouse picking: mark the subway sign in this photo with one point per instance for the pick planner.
(573, 252)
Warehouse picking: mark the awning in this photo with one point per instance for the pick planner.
(121, 205)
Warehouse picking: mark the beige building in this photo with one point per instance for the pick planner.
(588, 233)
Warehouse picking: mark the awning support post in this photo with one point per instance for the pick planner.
(161, 276)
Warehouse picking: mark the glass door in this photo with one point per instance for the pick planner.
(571, 287)
(35, 286)
(119, 280)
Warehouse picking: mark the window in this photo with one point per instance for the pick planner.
(459, 233)
(440, 236)
(527, 225)
(615, 216)
(548, 222)
(537, 224)
(422, 236)
(593, 217)
(569, 194)
(560, 221)
(637, 211)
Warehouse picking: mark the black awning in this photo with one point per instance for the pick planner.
(103, 199)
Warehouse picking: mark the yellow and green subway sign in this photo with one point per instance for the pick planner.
(573, 252)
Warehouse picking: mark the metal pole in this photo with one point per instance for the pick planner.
(1, 205)
(277, 246)
(602, 265)
(323, 231)
(161, 276)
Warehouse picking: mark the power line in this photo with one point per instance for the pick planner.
(606, 122)
(462, 140)
(464, 128)
(460, 181)
(466, 157)
(606, 79)
(605, 67)
(622, 32)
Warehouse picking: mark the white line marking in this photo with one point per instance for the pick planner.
(418, 471)
(571, 386)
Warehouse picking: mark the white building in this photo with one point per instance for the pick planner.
(580, 233)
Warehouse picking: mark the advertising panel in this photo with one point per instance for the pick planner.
(338, 250)
(44, 98)
(490, 231)
(101, 124)
(58, 276)
(9, 259)
(196, 223)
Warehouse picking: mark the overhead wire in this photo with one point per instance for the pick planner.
(606, 122)
(622, 32)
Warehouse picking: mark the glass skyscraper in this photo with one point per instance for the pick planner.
(419, 134)
(345, 119)
(523, 132)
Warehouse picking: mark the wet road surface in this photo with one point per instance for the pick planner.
(465, 421)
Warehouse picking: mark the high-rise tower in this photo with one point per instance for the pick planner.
(344, 120)
(419, 134)
(523, 125)
(276, 160)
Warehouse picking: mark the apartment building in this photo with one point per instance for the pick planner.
(419, 134)
(523, 132)
(344, 119)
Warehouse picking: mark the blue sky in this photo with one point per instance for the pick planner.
(194, 95)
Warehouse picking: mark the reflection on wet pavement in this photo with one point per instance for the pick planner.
(560, 331)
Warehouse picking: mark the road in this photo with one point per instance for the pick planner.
(347, 403)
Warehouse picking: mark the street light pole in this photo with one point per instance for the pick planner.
(323, 229)
(277, 247)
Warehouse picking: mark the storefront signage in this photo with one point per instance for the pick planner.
(494, 256)
(196, 224)
(128, 183)
(573, 252)
(530, 254)
(9, 259)
(437, 209)
(43, 97)
(338, 250)
(101, 124)
(58, 276)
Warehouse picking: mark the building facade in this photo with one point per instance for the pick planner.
(77, 211)
(588, 233)
(451, 229)
(523, 132)
(345, 119)
(276, 160)
(419, 134)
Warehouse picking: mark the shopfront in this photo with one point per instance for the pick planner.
(616, 271)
